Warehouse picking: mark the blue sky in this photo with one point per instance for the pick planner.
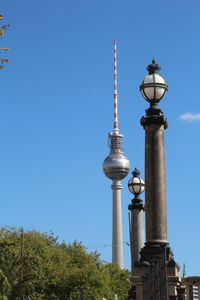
(56, 111)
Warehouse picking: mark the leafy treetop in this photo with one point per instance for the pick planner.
(35, 264)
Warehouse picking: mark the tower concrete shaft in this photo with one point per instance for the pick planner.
(117, 239)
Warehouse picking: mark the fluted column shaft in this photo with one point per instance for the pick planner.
(154, 124)
(155, 179)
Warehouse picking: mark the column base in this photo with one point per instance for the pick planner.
(145, 281)
(152, 250)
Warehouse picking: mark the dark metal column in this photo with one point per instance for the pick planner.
(136, 231)
(154, 124)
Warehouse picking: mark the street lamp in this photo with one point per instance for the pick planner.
(136, 186)
(153, 86)
(156, 252)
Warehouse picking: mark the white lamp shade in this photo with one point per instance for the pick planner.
(136, 185)
(153, 87)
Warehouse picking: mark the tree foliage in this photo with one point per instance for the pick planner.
(51, 270)
(3, 59)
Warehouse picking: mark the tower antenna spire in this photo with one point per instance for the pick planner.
(115, 127)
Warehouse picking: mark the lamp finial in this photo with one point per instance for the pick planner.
(153, 67)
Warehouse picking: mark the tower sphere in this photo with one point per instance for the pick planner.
(116, 166)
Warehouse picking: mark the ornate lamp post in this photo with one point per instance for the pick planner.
(158, 276)
(136, 186)
(153, 89)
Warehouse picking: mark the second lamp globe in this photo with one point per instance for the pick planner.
(136, 184)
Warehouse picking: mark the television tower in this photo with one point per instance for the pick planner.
(116, 166)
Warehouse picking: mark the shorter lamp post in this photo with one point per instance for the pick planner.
(136, 186)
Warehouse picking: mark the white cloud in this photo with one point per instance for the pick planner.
(189, 117)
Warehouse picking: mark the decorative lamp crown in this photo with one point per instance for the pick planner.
(153, 67)
(136, 184)
(153, 86)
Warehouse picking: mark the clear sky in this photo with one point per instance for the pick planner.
(56, 111)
